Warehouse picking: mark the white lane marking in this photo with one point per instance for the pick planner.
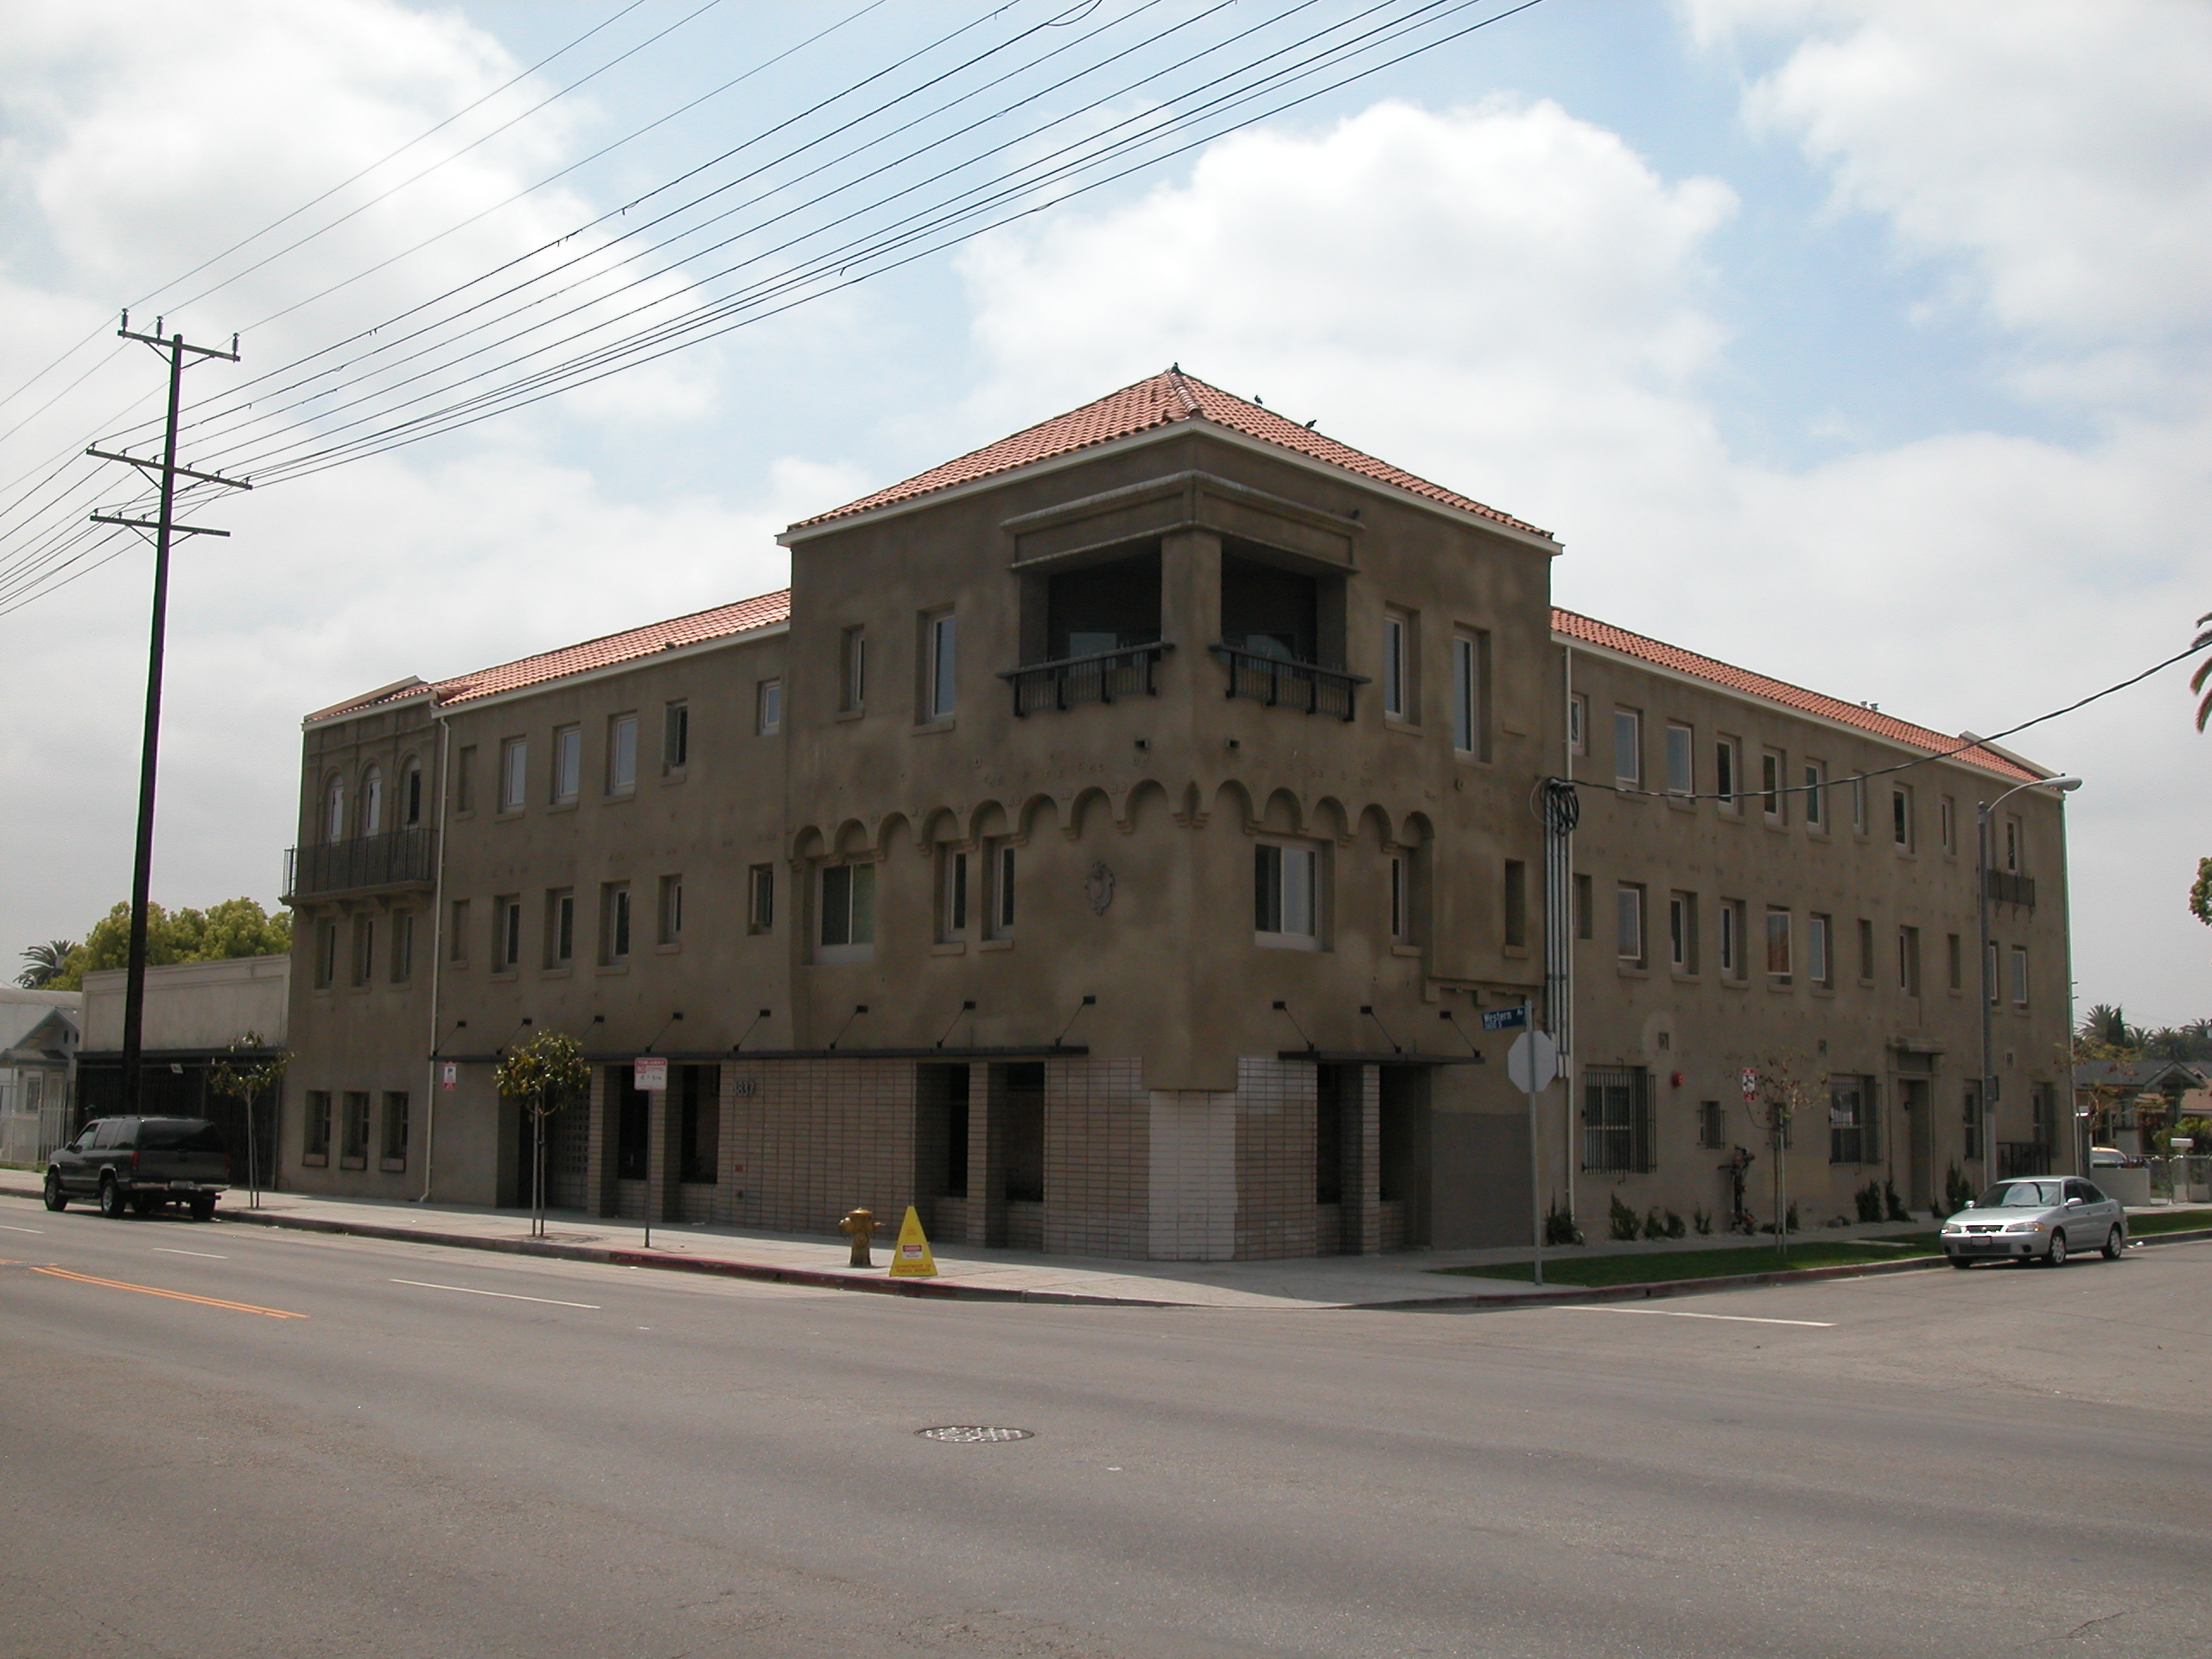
(204, 1255)
(503, 1294)
(22, 1229)
(1678, 1313)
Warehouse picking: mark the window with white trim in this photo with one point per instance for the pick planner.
(1682, 764)
(622, 754)
(1628, 922)
(1628, 748)
(845, 912)
(1470, 694)
(1397, 631)
(940, 665)
(567, 764)
(514, 774)
(1286, 895)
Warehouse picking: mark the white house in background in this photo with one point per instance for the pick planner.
(38, 1034)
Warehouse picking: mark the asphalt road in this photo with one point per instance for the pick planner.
(601, 1463)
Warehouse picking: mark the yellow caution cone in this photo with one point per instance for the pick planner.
(910, 1257)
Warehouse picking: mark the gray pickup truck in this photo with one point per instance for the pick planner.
(126, 1164)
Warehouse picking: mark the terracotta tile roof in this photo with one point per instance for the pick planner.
(1589, 632)
(1163, 400)
(746, 614)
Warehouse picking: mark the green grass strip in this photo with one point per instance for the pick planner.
(1665, 1266)
(2169, 1221)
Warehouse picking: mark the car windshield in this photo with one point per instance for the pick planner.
(2021, 1195)
(180, 1134)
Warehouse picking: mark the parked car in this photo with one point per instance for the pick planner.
(2113, 1158)
(2045, 1218)
(124, 1164)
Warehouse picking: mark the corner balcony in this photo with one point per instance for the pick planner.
(398, 858)
(1289, 682)
(1097, 676)
(2009, 887)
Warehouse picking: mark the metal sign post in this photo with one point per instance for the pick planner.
(1532, 1063)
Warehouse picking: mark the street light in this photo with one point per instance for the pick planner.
(1988, 1088)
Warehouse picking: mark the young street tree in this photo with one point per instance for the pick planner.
(545, 1074)
(250, 1071)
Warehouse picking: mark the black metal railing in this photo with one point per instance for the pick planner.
(396, 859)
(2009, 887)
(1313, 688)
(2022, 1157)
(1100, 677)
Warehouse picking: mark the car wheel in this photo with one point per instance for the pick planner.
(203, 1209)
(2114, 1245)
(1962, 1262)
(114, 1204)
(56, 1197)
(2056, 1256)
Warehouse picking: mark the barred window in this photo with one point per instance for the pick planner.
(1617, 1118)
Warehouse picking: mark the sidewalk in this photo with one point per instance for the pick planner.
(1403, 1280)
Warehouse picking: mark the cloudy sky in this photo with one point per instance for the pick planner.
(1863, 344)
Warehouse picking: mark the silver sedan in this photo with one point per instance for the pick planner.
(2045, 1218)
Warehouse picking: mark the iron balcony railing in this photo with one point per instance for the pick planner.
(2009, 887)
(1101, 677)
(1310, 687)
(398, 858)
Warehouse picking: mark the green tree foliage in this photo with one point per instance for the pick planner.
(236, 927)
(2105, 1027)
(2200, 893)
(45, 962)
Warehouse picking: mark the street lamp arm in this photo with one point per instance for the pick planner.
(1986, 1087)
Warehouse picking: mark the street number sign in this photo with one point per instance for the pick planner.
(1533, 1061)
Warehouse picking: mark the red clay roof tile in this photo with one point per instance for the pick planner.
(1589, 632)
(1163, 400)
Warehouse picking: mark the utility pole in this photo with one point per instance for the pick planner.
(164, 529)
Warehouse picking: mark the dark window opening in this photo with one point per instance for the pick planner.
(1401, 1134)
(633, 1123)
(1273, 611)
(699, 1132)
(1331, 1086)
(1023, 1108)
(941, 1131)
(1103, 607)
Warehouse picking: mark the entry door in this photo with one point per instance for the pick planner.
(1920, 1141)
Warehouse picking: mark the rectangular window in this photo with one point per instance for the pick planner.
(848, 905)
(1628, 922)
(457, 931)
(1283, 893)
(622, 754)
(1516, 902)
(614, 922)
(1851, 1121)
(365, 949)
(560, 926)
(315, 1131)
(514, 774)
(403, 946)
(668, 911)
(1865, 952)
(1727, 772)
(1954, 953)
(354, 1131)
(1990, 983)
(464, 779)
(1909, 961)
(568, 763)
(1970, 1119)
(1401, 898)
(1732, 965)
(760, 899)
(768, 707)
(1816, 796)
(1585, 908)
(325, 954)
(1820, 949)
(1578, 723)
(392, 1149)
(1681, 932)
(1712, 1126)
(998, 857)
(1470, 713)
(852, 671)
(1947, 822)
(506, 933)
(1617, 1118)
(1901, 817)
(951, 894)
(940, 658)
(1771, 798)
(1394, 664)
(1777, 944)
(1628, 748)
(1681, 769)
(2020, 975)
(2014, 849)
(675, 739)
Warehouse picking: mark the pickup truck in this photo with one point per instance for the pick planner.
(141, 1163)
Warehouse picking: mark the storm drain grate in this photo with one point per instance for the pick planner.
(975, 1434)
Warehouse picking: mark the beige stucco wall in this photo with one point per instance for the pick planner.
(193, 1005)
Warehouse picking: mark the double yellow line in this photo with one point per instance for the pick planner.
(173, 1295)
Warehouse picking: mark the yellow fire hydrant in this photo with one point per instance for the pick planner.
(859, 1227)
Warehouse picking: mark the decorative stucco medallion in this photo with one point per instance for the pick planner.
(1098, 888)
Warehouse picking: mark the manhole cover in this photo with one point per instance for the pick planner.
(974, 1434)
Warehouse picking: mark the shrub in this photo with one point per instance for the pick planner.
(1958, 1191)
(1674, 1228)
(1791, 1223)
(1654, 1226)
(1896, 1211)
(1701, 1218)
(1623, 1221)
(1559, 1227)
(1869, 1200)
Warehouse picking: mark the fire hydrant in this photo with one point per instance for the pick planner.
(859, 1227)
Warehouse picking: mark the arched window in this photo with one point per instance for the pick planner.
(333, 810)
(372, 813)
(410, 791)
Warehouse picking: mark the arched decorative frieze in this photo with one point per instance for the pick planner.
(989, 818)
(936, 825)
(1329, 819)
(1190, 811)
(1145, 803)
(807, 844)
(1085, 811)
(1375, 820)
(1285, 814)
(888, 829)
(1418, 830)
(1038, 813)
(851, 840)
(1233, 801)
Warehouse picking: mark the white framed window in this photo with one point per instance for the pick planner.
(999, 864)
(1728, 772)
(2020, 975)
(622, 754)
(614, 922)
(1820, 949)
(768, 707)
(852, 671)
(1681, 932)
(952, 893)
(668, 912)
(1286, 894)
(506, 933)
(333, 810)
(845, 912)
(1816, 796)
(760, 899)
(1682, 761)
(1628, 748)
(1396, 641)
(514, 774)
(1771, 799)
(941, 662)
(1578, 724)
(1901, 815)
(568, 763)
(372, 801)
(1628, 922)
(1859, 805)
(1777, 944)
(1909, 961)
(2014, 848)
(675, 739)
(1470, 719)
(560, 927)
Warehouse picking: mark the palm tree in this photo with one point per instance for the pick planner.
(46, 962)
(2108, 1025)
